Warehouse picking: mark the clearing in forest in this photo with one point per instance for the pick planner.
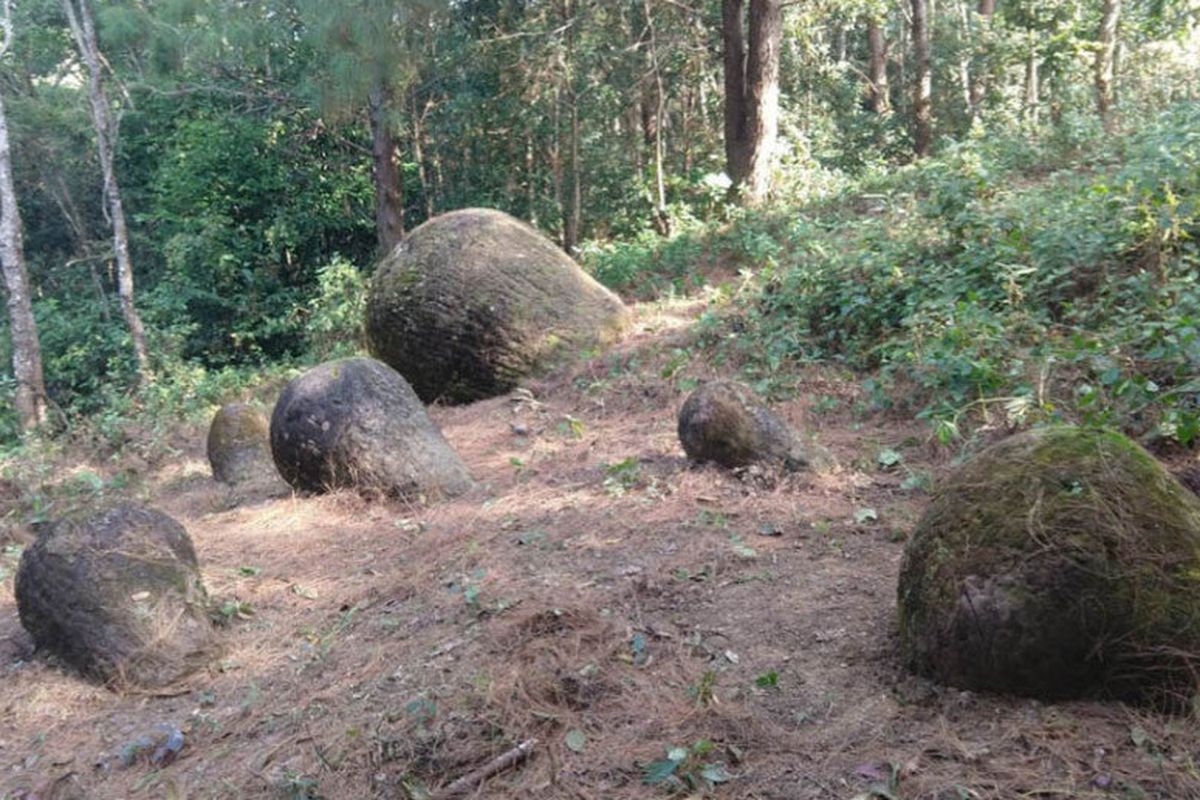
(655, 626)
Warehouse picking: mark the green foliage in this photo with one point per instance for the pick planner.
(335, 314)
(687, 769)
(245, 207)
(982, 293)
(244, 159)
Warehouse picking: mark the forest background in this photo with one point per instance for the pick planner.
(981, 209)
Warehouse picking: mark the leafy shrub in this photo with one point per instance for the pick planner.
(334, 320)
(1051, 280)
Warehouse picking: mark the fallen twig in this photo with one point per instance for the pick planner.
(498, 764)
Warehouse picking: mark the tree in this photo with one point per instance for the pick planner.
(986, 10)
(877, 76)
(751, 64)
(371, 63)
(922, 80)
(30, 399)
(1105, 61)
(83, 30)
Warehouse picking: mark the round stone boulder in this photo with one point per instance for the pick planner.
(1059, 563)
(473, 301)
(356, 423)
(117, 595)
(724, 422)
(239, 445)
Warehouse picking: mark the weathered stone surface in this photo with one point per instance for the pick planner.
(356, 423)
(723, 422)
(118, 595)
(1060, 563)
(474, 301)
(239, 445)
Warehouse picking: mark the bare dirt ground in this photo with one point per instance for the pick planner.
(598, 594)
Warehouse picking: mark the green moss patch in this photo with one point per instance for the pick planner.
(1062, 562)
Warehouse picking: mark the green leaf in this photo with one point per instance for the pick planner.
(715, 773)
(767, 680)
(638, 647)
(864, 515)
(249, 572)
(678, 754)
(576, 740)
(888, 458)
(1139, 737)
(657, 772)
(742, 549)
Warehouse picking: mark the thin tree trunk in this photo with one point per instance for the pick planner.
(964, 59)
(556, 164)
(662, 222)
(30, 397)
(979, 85)
(733, 33)
(418, 152)
(1031, 83)
(1106, 60)
(751, 66)
(923, 85)
(389, 201)
(84, 31)
(685, 103)
(60, 192)
(572, 212)
(530, 180)
(878, 92)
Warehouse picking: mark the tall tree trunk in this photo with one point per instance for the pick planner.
(418, 152)
(531, 181)
(662, 221)
(877, 76)
(751, 65)
(557, 173)
(964, 59)
(572, 213)
(572, 210)
(84, 31)
(1106, 60)
(923, 84)
(389, 199)
(1032, 91)
(30, 399)
(986, 9)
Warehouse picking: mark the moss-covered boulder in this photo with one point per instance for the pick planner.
(724, 422)
(474, 301)
(1060, 563)
(117, 595)
(356, 423)
(239, 445)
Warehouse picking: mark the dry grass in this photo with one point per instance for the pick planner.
(393, 647)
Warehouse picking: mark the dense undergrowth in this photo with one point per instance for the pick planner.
(1004, 281)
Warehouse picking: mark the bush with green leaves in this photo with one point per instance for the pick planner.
(973, 286)
(1004, 279)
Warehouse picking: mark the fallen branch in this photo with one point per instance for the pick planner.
(498, 764)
